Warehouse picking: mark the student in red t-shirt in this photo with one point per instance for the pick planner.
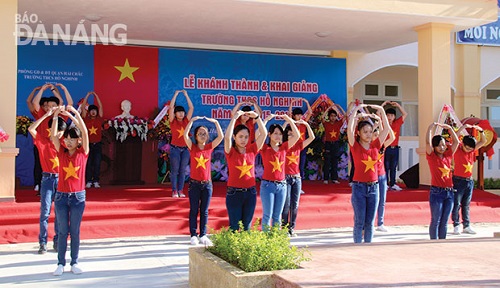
(93, 120)
(439, 157)
(296, 114)
(332, 142)
(464, 157)
(70, 195)
(273, 184)
(50, 176)
(292, 174)
(200, 185)
(392, 151)
(179, 153)
(241, 196)
(365, 153)
(245, 119)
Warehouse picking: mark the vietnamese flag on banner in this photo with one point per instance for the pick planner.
(126, 73)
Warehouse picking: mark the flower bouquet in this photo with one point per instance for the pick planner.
(3, 135)
(22, 125)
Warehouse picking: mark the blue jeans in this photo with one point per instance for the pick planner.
(94, 162)
(179, 160)
(391, 163)
(272, 196)
(199, 200)
(240, 205)
(462, 198)
(441, 204)
(364, 201)
(48, 189)
(291, 208)
(332, 156)
(382, 189)
(302, 163)
(69, 212)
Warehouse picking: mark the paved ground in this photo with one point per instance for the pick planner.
(162, 261)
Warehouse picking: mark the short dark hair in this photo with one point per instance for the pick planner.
(436, 140)
(297, 111)
(469, 141)
(93, 107)
(179, 109)
(61, 124)
(53, 99)
(390, 111)
(332, 112)
(246, 108)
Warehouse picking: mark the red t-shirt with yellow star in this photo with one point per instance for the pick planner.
(274, 162)
(94, 126)
(241, 167)
(303, 130)
(293, 159)
(177, 128)
(48, 154)
(332, 130)
(201, 162)
(71, 170)
(250, 125)
(380, 164)
(464, 162)
(441, 168)
(365, 161)
(396, 128)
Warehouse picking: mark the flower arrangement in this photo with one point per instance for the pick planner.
(3, 135)
(134, 127)
(162, 131)
(22, 125)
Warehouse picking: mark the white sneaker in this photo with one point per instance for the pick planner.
(456, 230)
(325, 182)
(350, 184)
(75, 269)
(59, 270)
(335, 182)
(302, 192)
(96, 185)
(175, 195)
(381, 228)
(89, 185)
(396, 187)
(37, 187)
(194, 240)
(182, 195)
(468, 230)
(206, 241)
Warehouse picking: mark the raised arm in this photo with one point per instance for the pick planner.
(188, 141)
(69, 100)
(101, 109)
(309, 111)
(84, 104)
(34, 125)
(403, 111)
(29, 100)
(385, 126)
(296, 133)
(351, 129)
(428, 138)
(483, 139)
(53, 129)
(228, 139)
(236, 108)
(36, 100)
(171, 115)
(453, 135)
(190, 105)
(310, 134)
(77, 119)
(220, 134)
(257, 108)
(261, 129)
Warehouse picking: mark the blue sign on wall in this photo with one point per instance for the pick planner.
(488, 34)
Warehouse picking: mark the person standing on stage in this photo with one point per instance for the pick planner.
(179, 154)
(439, 157)
(392, 151)
(296, 114)
(200, 185)
(293, 180)
(245, 119)
(365, 153)
(50, 175)
(464, 159)
(332, 143)
(93, 120)
(70, 195)
(241, 196)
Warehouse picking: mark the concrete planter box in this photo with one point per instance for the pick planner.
(208, 270)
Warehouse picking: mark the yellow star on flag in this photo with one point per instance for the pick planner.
(293, 159)
(181, 132)
(71, 171)
(333, 134)
(310, 151)
(445, 171)
(55, 162)
(276, 164)
(245, 169)
(201, 161)
(126, 71)
(370, 164)
(468, 167)
(93, 130)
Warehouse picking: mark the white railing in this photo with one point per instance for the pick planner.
(408, 157)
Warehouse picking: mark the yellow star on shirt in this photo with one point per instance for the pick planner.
(333, 134)
(55, 162)
(468, 167)
(245, 169)
(126, 71)
(379, 158)
(48, 132)
(370, 164)
(276, 164)
(445, 172)
(302, 135)
(310, 151)
(293, 159)
(92, 130)
(71, 171)
(201, 161)
(181, 132)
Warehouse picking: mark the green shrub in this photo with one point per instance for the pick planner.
(255, 250)
(490, 183)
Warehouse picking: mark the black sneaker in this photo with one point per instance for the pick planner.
(42, 249)
(55, 246)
